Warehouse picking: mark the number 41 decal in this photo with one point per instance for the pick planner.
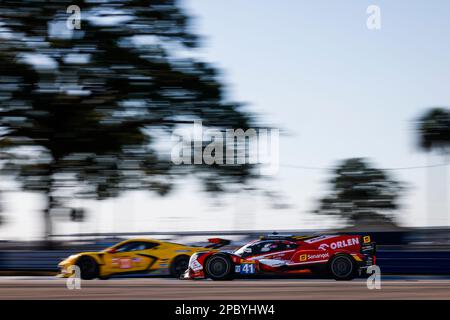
(248, 268)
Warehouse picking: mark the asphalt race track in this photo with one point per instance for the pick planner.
(164, 288)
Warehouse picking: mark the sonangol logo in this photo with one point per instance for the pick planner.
(318, 256)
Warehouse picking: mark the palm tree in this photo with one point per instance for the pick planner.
(434, 135)
(434, 130)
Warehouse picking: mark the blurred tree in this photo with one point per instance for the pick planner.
(433, 131)
(81, 110)
(360, 191)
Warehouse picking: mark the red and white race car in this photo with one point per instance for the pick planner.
(341, 257)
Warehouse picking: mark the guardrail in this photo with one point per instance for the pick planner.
(32, 260)
(414, 262)
(390, 261)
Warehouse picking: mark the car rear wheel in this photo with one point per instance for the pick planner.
(88, 268)
(179, 265)
(342, 267)
(219, 267)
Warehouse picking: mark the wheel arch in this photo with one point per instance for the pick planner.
(98, 258)
(178, 256)
(224, 254)
(341, 253)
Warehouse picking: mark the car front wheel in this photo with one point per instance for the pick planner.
(88, 268)
(179, 265)
(219, 267)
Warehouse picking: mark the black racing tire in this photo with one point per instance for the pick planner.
(179, 266)
(88, 268)
(342, 267)
(219, 267)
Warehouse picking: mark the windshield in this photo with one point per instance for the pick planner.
(263, 247)
(132, 246)
(241, 250)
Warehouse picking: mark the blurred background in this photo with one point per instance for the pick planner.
(87, 115)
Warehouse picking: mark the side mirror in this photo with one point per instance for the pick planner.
(111, 250)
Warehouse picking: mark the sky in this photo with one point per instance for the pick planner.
(337, 90)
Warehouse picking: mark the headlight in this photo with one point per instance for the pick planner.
(194, 264)
(193, 257)
(69, 259)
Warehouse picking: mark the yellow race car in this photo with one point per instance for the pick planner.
(141, 256)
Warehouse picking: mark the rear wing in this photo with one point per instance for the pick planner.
(368, 246)
(216, 243)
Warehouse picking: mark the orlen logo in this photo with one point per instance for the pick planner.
(344, 243)
(340, 244)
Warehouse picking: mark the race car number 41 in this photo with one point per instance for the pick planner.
(247, 268)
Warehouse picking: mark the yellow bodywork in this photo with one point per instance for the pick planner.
(155, 258)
